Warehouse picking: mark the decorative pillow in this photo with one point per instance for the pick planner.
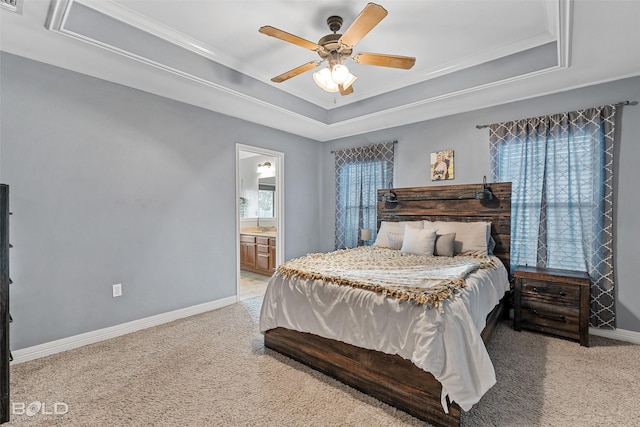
(492, 243)
(471, 237)
(395, 240)
(382, 239)
(418, 241)
(444, 244)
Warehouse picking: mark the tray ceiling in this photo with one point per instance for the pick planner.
(469, 54)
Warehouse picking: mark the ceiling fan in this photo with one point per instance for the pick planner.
(336, 48)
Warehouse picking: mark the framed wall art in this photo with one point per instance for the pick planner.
(442, 165)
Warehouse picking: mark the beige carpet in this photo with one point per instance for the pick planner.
(212, 370)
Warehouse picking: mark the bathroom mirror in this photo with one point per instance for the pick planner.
(257, 186)
(267, 197)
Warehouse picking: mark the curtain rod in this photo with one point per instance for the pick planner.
(619, 104)
(395, 142)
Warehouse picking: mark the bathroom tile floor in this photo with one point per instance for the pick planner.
(252, 284)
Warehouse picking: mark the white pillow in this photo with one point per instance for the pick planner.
(382, 239)
(444, 244)
(470, 236)
(418, 241)
(395, 240)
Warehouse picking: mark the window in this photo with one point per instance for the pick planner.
(266, 201)
(558, 192)
(561, 170)
(360, 172)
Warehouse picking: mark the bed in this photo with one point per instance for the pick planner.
(393, 345)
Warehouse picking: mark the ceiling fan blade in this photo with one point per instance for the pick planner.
(283, 35)
(382, 60)
(370, 16)
(346, 91)
(298, 70)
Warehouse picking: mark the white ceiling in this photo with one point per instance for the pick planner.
(469, 54)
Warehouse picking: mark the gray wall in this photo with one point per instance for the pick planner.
(471, 146)
(113, 185)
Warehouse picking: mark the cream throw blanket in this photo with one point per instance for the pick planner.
(421, 279)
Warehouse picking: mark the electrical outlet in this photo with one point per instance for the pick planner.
(116, 290)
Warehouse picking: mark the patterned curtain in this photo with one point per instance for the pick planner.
(561, 169)
(360, 172)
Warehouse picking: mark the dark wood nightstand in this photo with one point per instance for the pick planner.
(552, 301)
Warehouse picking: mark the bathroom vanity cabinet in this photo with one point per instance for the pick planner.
(258, 253)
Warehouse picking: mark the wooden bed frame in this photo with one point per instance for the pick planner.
(390, 378)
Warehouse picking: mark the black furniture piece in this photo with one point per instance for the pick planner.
(5, 317)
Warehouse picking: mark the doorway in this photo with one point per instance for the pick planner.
(259, 217)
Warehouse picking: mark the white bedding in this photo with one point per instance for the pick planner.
(446, 343)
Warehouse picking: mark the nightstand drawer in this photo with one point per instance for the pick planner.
(558, 294)
(563, 321)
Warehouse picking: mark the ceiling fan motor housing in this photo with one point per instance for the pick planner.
(333, 51)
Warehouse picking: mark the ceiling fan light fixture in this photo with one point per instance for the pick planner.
(349, 81)
(319, 78)
(323, 79)
(331, 87)
(339, 73)
(330, 79)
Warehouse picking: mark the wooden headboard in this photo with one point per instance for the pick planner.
(454, 203)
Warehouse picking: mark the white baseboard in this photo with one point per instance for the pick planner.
(69, 343)
(617, 334)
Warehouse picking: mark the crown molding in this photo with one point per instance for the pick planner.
(560, 26)
(128, 16)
